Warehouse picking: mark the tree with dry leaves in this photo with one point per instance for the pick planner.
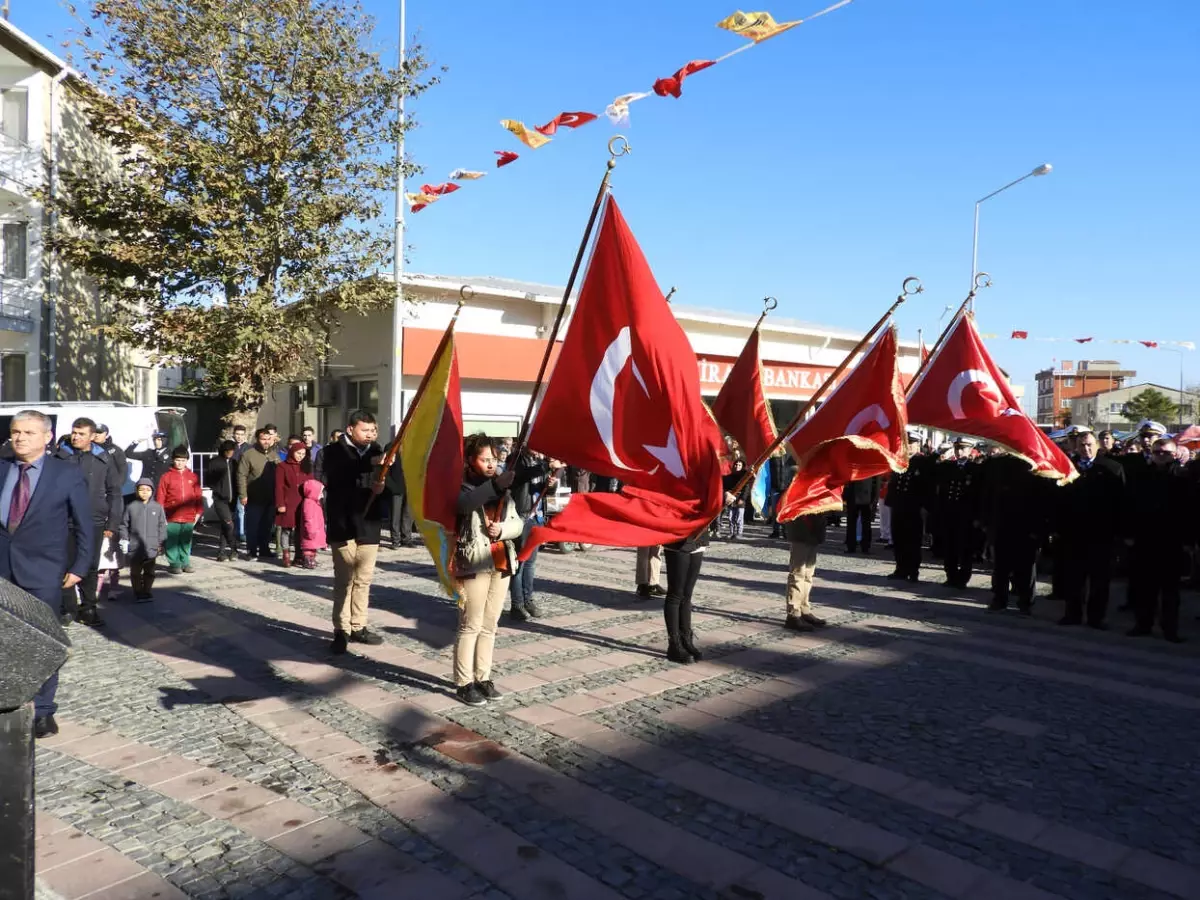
(239, 214)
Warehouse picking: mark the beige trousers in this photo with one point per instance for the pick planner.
(483, 601)
(353, 567)
(649, 565)
(802, 565)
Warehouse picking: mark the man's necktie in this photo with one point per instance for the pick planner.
(20, 498)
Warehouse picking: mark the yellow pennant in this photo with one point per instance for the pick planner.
(758, 26)
(530, 139)
(465, 175)
(421, 198)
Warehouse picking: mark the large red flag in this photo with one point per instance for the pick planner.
(741, 408)
(624, 401)
(859, 432)
(962, 390)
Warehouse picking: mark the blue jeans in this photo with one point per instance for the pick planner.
(520, 587)
(43, 701)
(241, 521)
(260, 523)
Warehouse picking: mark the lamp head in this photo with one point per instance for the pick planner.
(1043, 169)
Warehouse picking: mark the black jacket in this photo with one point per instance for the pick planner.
(154, 462)
(530, 484)
(352, 511)
(220, 477)
(117, 455)
(1092, 507)
(103, 485)
(1015, 499)
(1161, 510)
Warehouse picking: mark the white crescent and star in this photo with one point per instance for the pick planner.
(602, 399)
(962, 381)
(872, 415)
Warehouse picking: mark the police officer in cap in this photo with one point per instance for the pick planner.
(958, 512)
(907, 495)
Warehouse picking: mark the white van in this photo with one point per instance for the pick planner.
(127, 423)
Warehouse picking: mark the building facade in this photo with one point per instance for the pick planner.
(1105, 410)
(1057, 388)
(501, 338)
(50, 346)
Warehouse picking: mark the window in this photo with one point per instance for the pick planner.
(14, 114)
(12, 378)
(364, 395)
(1115, 408)
(15, 236)
(1068, 382)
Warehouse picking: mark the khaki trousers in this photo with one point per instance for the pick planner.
(483, 601)
(353, 568)
(649, 565)
(802, 565)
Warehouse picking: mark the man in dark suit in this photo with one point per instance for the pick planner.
(44, 510)
(1091, 516)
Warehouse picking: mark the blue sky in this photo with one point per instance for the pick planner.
(829, 163)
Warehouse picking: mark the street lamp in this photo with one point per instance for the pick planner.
(1179, 413)
(1043, 169)
(396, 372)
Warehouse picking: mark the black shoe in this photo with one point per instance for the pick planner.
(517, 614)
(812, 620)
(471, 695)
(1025, 609)
(896, 576)
(1125, 607)
(338, 646)
(688, 642)
(998, 604)
(1099, 626)
(488, 689)
(850, 549)
(364, 636)
(44, 726)
(1070, 620)
(1137, 631)
(677, 654)
(657, 590)
(90, 617)
(532, 609)
(914, 578)
(67, 618)
(144, 597)
(643, 591)
(1174, 639)
(796, 623)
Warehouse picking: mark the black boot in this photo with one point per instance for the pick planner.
(675, 651)
(687, 637)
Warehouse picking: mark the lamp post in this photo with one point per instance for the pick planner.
(1043, 169)
(1179, 412)
(396, 410)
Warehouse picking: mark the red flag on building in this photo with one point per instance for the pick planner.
(741, 408)
(624, 401)
(859, 432)
(962, 390)
(1020, 335)
(674, 84)
(566, 120)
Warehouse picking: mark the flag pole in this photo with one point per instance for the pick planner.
(911, 286)
(615, 150)
(671, 293)
(389, 458)
(982, 280)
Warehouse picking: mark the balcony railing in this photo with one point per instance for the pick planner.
(18, 305)
(21, 170)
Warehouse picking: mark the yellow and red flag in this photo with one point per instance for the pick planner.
(758, 26)
(431, 455)
(526, 136)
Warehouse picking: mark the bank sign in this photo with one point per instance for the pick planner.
(779, 379)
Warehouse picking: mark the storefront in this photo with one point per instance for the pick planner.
(501, 337)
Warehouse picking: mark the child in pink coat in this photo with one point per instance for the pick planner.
(311, 522)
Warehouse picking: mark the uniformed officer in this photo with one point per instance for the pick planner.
(958, 512)
(906, 496)
(1090, 518)
(1016, 513)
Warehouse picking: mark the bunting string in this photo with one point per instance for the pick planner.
(1150, 345)
(754, 27)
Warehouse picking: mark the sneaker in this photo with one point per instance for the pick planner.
(517, 614)
(66, 618)
(532, 609)
(89, 617)
(796, 623)
(363, 636)
(471, 695)
(174, 570)
(338, 646)
(488, 689)
(188, 570)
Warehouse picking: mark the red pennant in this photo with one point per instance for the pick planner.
(859, 432)
(624, 402)
(439, 190)
(417, 207)
(1083, 340)
(1020, 335)
(924, 353)
(505, 157)
(741, 407)
(566, 120)
(1153, 345)
(674, 84)
(963, 391)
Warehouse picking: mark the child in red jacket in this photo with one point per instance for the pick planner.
(311, 523)
(180, 495)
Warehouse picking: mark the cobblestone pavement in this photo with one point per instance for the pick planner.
(916, 748)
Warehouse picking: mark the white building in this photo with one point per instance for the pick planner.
(501, 337)
(1104, 410)
(49, 346)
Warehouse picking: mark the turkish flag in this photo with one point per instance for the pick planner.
(741, 408)
(624, 402)
(1020, 335)
(506, 157)
(566, 120)
(962, 390)
(859, 432)
(1153, 345)
(674, 84)
(439, 190)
